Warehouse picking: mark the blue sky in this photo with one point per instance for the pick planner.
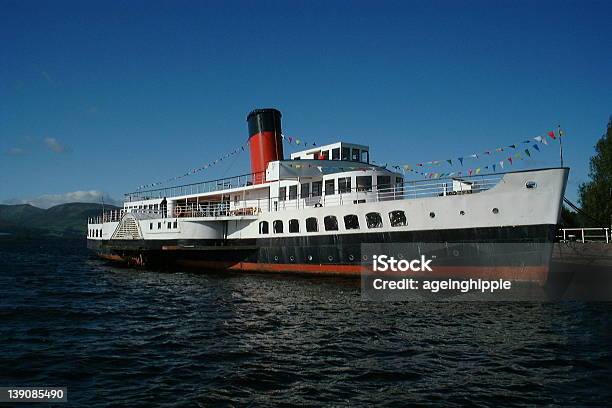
(106, 96)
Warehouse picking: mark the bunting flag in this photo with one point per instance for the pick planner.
(539, 140)
(295, 140)
(196, 170)
(406, 167)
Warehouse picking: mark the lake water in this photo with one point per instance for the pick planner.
(123, 337)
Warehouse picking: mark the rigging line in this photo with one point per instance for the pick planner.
(232, 163)
(580, 211)
(234, 152)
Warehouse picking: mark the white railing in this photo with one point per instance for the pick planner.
(198, 188)
(405, 191)
(107, 216)
(221, 209)
(408, 190)
(585, 235)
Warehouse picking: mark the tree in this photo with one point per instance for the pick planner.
(596, 195)
(570, 219)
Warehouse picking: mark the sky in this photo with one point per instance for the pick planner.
(98, 98)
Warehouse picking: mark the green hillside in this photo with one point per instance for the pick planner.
(64, 220)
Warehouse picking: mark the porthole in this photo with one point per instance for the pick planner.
(400, 256)
(531, 184)
(461, 212)
(495, 210)
(432, 215)
(365, 257)
(310, 257)
(330, 258)
(292, 258)
(276, 258)
(351, 258)
(455, 252)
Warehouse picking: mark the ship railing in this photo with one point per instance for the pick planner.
(221, 209)
(197, 188)
(342, 196)
(404, 191)
(585, 235)
(107, 216)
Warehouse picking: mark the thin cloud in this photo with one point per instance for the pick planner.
(50, 200)
(16, 151)
(54, 145)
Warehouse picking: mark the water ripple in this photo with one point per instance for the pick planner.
(117, 336)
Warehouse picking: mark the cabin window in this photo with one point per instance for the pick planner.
(374, 220)
(344, 185)
(292, 192)
(331, 223)
(355, 155)
(305, 190)
(159, 225)
(351, 222)
(330, 187)
(364, 183)
(397, 218)
(399, 181)
(336, 153)
(278, 227)
(150, 225)
(383, 182)
(294, 226)
(317, 188)
(169, 225)
(263, 227)
(175, 224)
(156, 207)
(346, 153)
(365, 156)
(282, 194)
(311, 225)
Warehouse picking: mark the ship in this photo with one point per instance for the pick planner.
(327, 209)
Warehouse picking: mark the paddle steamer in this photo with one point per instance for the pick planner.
(316, 212)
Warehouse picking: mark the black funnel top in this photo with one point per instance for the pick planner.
(264, 120)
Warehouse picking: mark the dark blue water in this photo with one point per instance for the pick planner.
(121, 337)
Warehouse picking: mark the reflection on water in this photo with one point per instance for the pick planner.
(118, 336)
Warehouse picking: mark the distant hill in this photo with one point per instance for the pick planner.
(64, 220)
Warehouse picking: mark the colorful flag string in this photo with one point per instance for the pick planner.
(516, 153)
(197, 169)
(297, 141)
(534, 143)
